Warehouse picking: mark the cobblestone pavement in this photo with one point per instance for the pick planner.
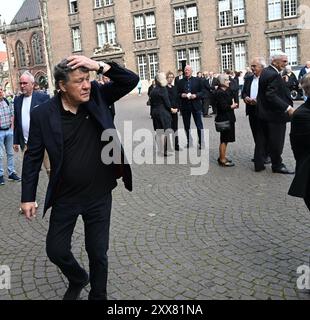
(229, 234)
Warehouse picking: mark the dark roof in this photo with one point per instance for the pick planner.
(30, 10)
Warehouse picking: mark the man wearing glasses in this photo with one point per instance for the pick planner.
(23, 105)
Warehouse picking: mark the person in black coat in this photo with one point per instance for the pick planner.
(274, 107)
(300, 143)
(191, 92)
(71, 127)
(174, 101)
(161, 112)
(224, 100)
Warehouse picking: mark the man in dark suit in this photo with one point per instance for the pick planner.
(70, 127)
(211, 83)
(304, 70)
(191, 92)
(274, 106)
(249, 95)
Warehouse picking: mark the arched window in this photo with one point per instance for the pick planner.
(37, 49)
(21, 57)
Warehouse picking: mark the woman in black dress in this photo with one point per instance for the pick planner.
(225, 111)
(161, 112)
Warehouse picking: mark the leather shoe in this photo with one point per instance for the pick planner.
(283, 170)
(260, 169)
(73, 292)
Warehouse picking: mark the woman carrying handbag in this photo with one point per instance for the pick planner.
(225, 118)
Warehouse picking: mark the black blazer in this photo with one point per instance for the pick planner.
(46, 133)
(223, 101)
(300, 143)
(246, 92)
(196, 87)
(273, 97)
(210, 88)
(159, 99)
(37, 98)
(173, 96)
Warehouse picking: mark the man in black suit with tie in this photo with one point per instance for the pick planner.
(274, 107)
(249, 96)
(70, 128)
(191, 92)
(211, 83)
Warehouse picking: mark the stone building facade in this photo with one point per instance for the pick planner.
(23, 38)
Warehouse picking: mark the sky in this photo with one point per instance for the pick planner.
(8, 10)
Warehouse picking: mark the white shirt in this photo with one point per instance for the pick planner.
(307, 70)
(254, 88)
(26, 117)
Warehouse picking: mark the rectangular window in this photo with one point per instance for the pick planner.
(274, 9)
(139, 27)
(226, 56)
(73, 6)
(101, 33)
(291, 49)
(238, 12)
(194, 60)
(179, 20)
(289, 8)
(192, 19)
(240, 56)
(111, 32)
(76, 39)
(153, 65)
(224, 13)
(108, 2)
(98, 3)
(150, 25)
(142, 67)
(275, 45)
(181, 56)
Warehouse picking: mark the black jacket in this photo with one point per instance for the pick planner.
(196, 87)
(273, 97)
(246, 92)
(300, 143)
(46, 133)
(223, 101)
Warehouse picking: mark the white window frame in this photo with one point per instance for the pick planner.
(291, 49)
(111, 32)
(240, 55)
(179, 20)
(181, 56)
(139, 27)
(238, 12)
(153, 64)
(192, 18)
(98, 3)
(101, 34)
(274, 9)
(76, 39)
(227, 56)
(150, 25)
(194, 59)
(289, 8)
(107, 2)
(275, 45)
(73, 6)
(142, 66)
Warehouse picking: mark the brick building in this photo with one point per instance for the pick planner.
(23, 38)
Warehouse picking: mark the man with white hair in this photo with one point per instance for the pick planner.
(274, 108)
(23, 105)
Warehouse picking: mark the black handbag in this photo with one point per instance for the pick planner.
(221, 126)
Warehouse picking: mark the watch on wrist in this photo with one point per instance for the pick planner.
(101, 67)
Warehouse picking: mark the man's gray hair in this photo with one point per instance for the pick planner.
(221, 78)
(29, 75)
(277, 55)
(305, 84)
(161, 79)
(62, 70)
(261, 61)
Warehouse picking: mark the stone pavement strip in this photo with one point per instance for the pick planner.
(229, 234)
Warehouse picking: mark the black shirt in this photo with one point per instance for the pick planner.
(84, 177)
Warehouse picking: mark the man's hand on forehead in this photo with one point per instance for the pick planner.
(82, 61)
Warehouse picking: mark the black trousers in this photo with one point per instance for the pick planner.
(197, 115)
(254, 123)
(174, 127)
(273, 135)
(96, 217)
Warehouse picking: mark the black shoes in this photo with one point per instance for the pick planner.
(227, 163)
(282, 170)
(73, 292)
(260, 169)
